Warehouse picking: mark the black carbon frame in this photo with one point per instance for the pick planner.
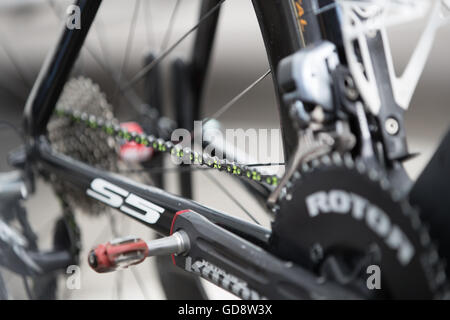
(283, 39)
(48, 87)
(81, 175)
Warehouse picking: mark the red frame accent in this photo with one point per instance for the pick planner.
(171, 228)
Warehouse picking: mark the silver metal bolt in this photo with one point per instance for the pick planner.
(316, 252)
(392, 126)
(350, 88)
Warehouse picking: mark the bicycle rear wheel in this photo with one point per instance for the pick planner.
(278, 22)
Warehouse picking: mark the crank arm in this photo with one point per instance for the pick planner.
(201, 247)
(244, 269)
(128, 251)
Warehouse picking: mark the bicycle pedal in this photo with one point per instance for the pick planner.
(124, 252)
(117, 254)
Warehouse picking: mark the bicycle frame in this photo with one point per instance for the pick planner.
(151, 206)
(41, 104)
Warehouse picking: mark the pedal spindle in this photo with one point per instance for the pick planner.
(124, 252)
(116, 254)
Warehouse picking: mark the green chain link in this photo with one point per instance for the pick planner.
(186, 155)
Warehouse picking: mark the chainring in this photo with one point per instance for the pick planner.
(335, 208)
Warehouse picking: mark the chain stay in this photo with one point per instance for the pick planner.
(187, 155)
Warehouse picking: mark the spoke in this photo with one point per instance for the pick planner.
(113, 225)
(102, 234)
(12, 92)
(101, 36)
(229, 104)
(27, 287)
(80, 67)
(266, 164)
(148, 23)
(130, 96)
(169, 29)
(131, 33)
(119, 285)
(119, 275)
(14, 63)
(218, 184)
(140, 283)
(225, 107)
(138, 76)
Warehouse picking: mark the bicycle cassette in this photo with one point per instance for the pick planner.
(73, 139)
(338, 217)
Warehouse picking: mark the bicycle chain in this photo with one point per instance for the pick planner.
(186, 154)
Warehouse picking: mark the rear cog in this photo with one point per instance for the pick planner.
(338, 217)
(75, 140)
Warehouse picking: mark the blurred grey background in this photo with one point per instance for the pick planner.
(29, 28)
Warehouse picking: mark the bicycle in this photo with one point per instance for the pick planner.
(341, 114)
